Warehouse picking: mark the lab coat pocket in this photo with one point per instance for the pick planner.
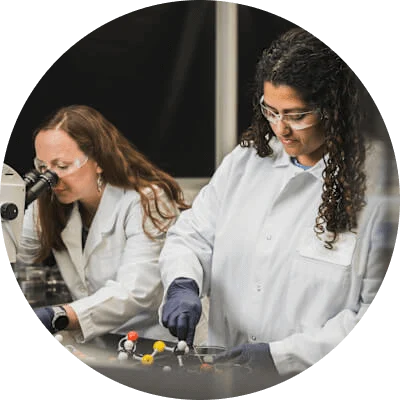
(341, 254)
(320, 280)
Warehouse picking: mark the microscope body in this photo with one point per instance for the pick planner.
(41, 284)
(12, 203)
(15, 196)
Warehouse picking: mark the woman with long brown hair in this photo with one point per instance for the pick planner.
(104, 223)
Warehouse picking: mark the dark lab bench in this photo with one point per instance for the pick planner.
(165, 377)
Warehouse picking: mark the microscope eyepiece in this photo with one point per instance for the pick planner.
(30, 178)
(45, 182)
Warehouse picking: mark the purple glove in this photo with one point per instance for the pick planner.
(253, 354)
(182, 309)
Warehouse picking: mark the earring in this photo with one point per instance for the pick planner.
(100, 182)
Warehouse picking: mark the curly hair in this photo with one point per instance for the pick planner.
(122, 164)
(322, 80)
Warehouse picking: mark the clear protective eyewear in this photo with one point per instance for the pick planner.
(297, 121)
(61, 168)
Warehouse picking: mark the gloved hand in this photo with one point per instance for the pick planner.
(182, 309)
(46, 315)
(256, 355)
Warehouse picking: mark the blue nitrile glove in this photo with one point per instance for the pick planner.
(46, 315)
(182, 309)
(256, 355)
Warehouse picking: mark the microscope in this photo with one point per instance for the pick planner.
(38, 283)
(15, 196)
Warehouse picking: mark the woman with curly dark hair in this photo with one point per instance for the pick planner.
(282, 239)
(104, 223)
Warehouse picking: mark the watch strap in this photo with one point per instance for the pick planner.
(60, 319)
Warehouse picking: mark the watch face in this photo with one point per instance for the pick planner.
(60, 319)
(61, 322)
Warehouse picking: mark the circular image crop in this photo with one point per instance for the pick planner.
(199, 200)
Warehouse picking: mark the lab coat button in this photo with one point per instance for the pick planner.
(269, 237)
(253, 338)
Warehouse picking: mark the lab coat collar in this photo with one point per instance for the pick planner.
(72, 238)
(103, 222)
(282, 159)
(107, 211)
(104, 219)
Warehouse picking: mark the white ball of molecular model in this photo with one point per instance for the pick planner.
(182, 347)
(122, 356)
(128, 345)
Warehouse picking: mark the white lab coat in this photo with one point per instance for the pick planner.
(115, 282)
(248, 242)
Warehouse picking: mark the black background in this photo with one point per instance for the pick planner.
(152, 73)
(32, 33)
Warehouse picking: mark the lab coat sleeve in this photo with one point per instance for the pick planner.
(137, 287)
(301, 350)
(189, 246)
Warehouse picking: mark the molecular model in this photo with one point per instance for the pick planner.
(127, 349)
(127, 345)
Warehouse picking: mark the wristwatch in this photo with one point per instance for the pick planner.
(60, 320)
